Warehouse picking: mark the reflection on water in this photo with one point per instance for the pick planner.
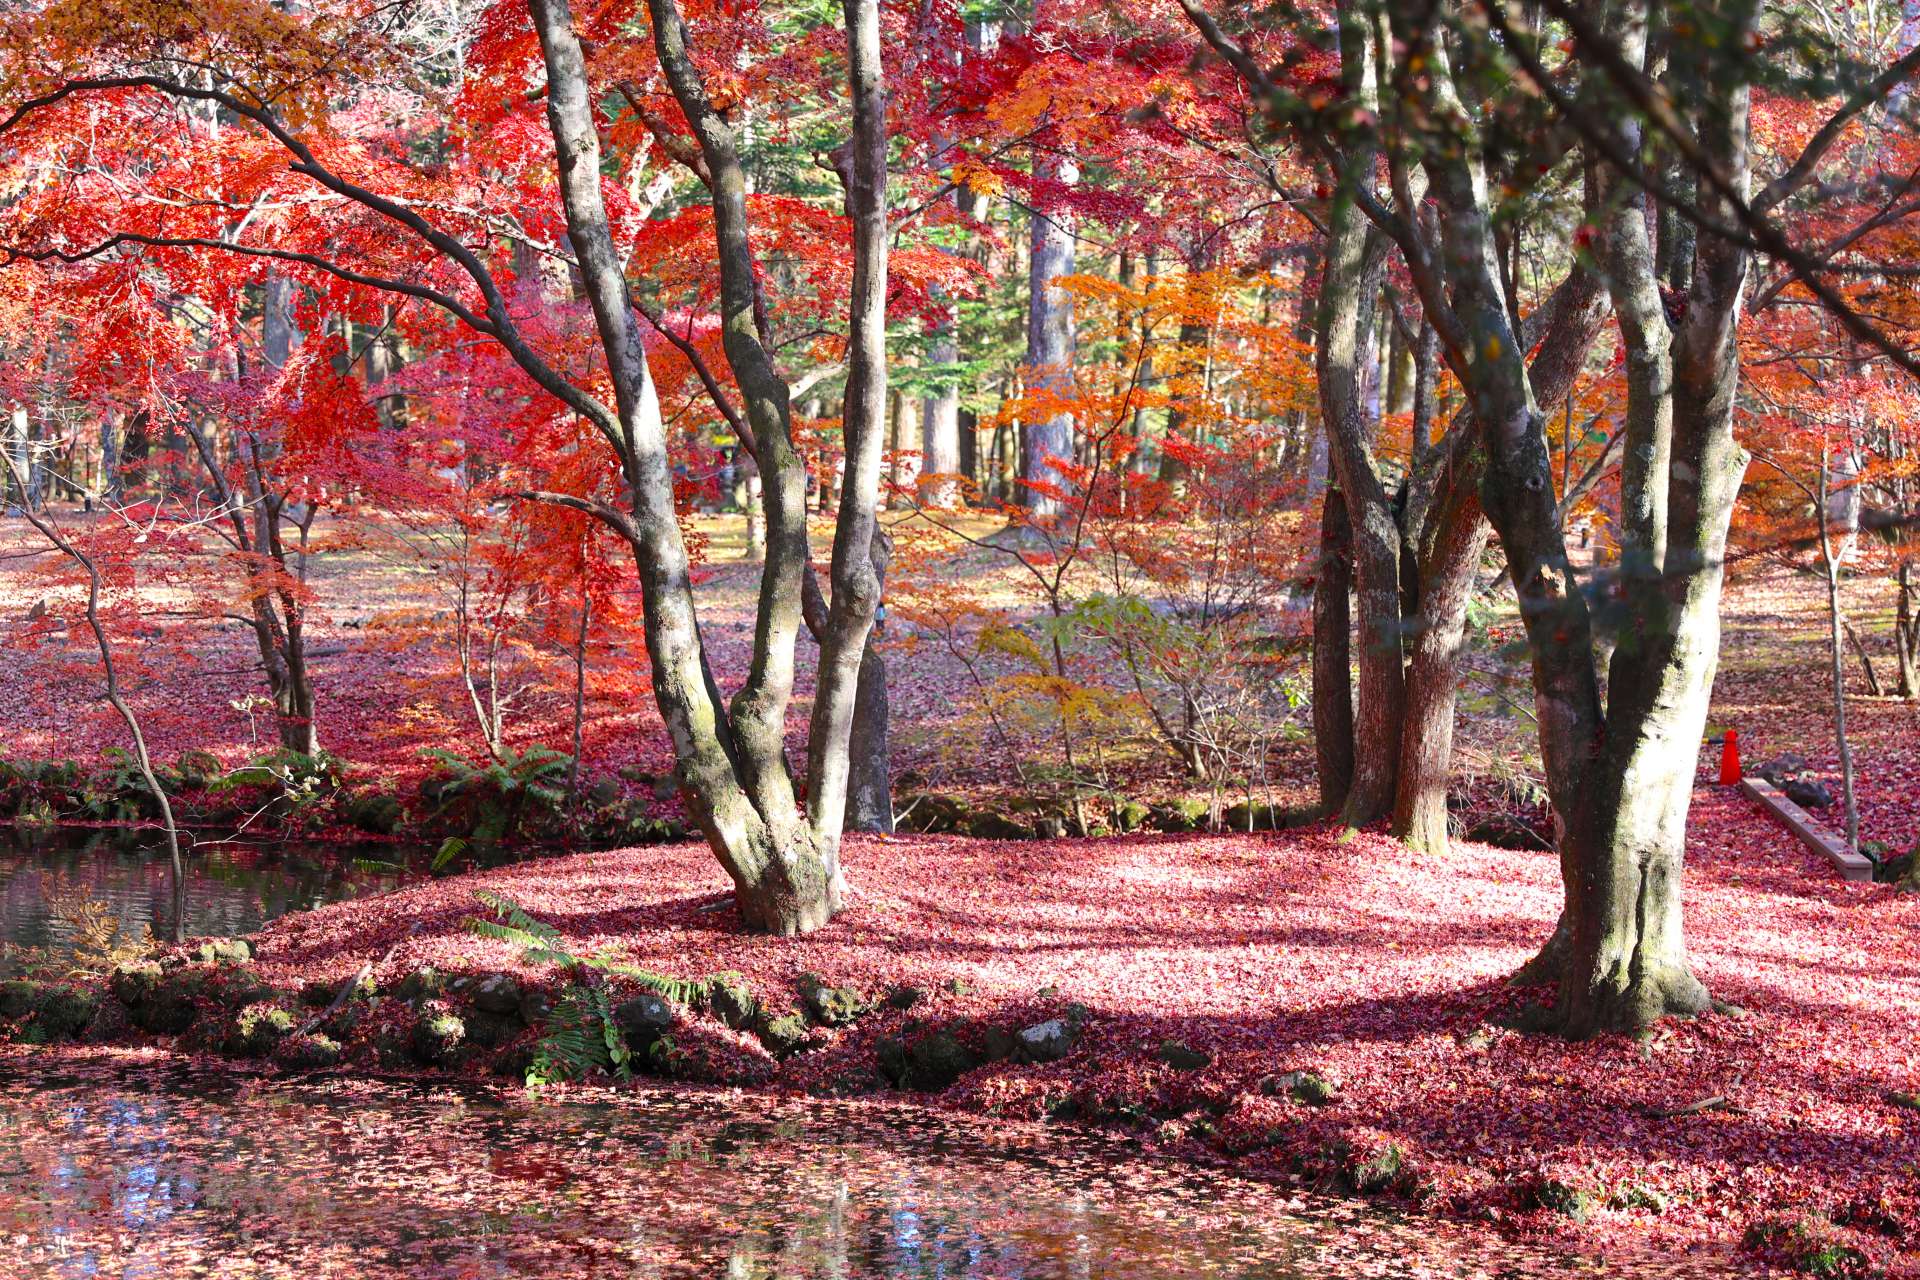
(107, 1171)
(232, 886)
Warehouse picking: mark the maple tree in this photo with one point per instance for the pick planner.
(731, 762)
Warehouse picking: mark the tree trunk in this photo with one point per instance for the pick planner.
(1848, 520)
(1195, 334)
(1049, 357)
(1446, 533)
(1620, 782)
(1448, 568)
(1347, 369)
(1332, 658)
(756, 510)
(1906, 632)
(859, 544)
(110, 458)
(869, 786)
(730, 761)
(940, 419)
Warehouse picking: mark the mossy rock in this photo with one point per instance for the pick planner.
(1251, 817)
(1131, 815)
(935, 1061)
(20, 997)
(732, 1001)
(258, 1029)
(1181, 1058)
(784, 1035)
(224, 951)
(344, 1021)
(309, 1052)
(161, 1001)
(491, 1030)
(421, 984)
(515, 1060)
(830, 1006)
(392, 1044)
(1562, 1196)
(1309, 1088)
(1051, 826)
(989, 824)
(437, 1033)
(905, 997)
(890, 1056)
(604, 794)
(1375, 1172)
(497, 993)
(135, 982)
(933, 813)
(643, 1019)
(376, 811)
(235, 986)
(1185, 814)
(1807, 1245)
(1634, 1197)
(66, 1011)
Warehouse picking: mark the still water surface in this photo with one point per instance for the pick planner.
(232, 886)
(111, 1168)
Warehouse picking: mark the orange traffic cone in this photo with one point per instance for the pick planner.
(1730, 759)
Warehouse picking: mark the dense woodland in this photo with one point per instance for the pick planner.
(770, 421)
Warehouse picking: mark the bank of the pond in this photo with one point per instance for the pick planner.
(1324, 1011)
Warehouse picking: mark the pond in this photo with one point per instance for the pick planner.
(109, 1167)
(55, 883)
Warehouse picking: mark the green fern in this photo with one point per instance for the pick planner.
(581, 1035)
(581, 1038)
(541, 943)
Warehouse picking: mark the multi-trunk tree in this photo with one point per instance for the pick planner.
(383, 226)
(1420, 149)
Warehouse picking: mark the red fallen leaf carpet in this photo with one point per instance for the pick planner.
(1380, 970)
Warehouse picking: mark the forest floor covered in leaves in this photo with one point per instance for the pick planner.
(1201, 971)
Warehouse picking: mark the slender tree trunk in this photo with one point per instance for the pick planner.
(142, 759)
(845, 652)
(1049, 358)
(869, 782)
(110, 488)
(1446, 533)
(1195, 334)
(1848, 520)
(756, 510)
(731, 764)
(1620, 780)
(1346, 366)
(1906, 632)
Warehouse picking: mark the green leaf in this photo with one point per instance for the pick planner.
(450, 848)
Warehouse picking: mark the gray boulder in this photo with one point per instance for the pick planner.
(497, 993)
(643, 1019)
(1047, 1041)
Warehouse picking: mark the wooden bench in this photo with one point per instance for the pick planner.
(1852, 866)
